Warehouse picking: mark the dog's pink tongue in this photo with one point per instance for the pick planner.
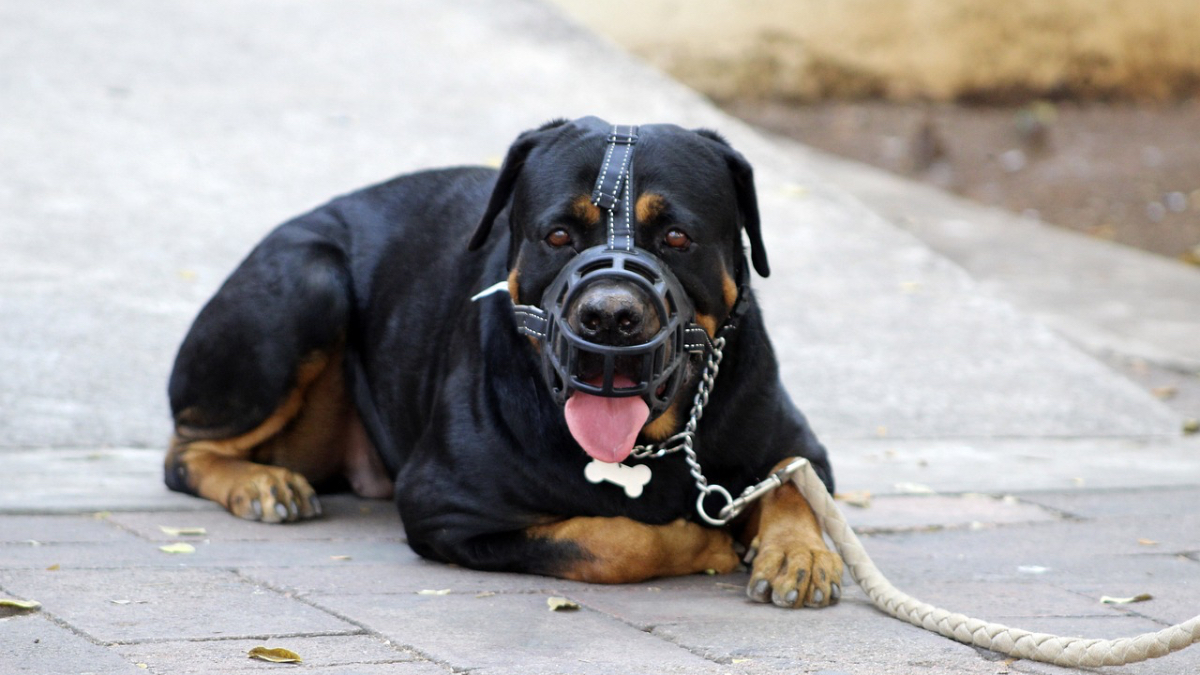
(606, 427)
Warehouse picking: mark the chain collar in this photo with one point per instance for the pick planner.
(686, 440)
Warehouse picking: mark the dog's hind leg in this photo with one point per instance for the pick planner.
(620, 550)
(259, 391)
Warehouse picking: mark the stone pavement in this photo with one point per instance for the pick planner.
(1016, 476)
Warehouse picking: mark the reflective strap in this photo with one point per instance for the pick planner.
(613, 192)
(531, 321)
(695, 339)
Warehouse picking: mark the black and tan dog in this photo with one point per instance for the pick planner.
(353, 346)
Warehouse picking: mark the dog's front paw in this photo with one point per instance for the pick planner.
(272, 494)
(790, 564)
(790, 573)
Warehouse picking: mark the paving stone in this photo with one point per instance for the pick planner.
(893, 513)
(345, 517)
(1175, 597)
(24, 529)
(1010, 466)
(1088, 550)
(347, 653)
(74, 480)
(1005, 602)
(167, 604)
(33, 644)
(409, 574)
(1165, 502)
(850, 637)
(514, 633)
(207, 554)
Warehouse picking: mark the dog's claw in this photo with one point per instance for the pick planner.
(256, 506)
(817, 598)
(751, 553)
(835, 593)
(759, 592)
(315, 504)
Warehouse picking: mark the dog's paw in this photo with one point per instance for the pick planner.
(789, 572)
(272, 494)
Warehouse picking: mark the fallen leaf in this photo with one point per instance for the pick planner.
(1165, 393)
(558, 604)
(183, 531)
(120, 602)
(485, 594)
(1147, 542)
(1142, 597)
(178, 547)
(1191, 426)
(339, 557)
(914, 489)
(444, 591)
(710, 572)
(19, 604)
(859, 498)
(735, 661)
(54, 568)
(143, 666)
(276, 655)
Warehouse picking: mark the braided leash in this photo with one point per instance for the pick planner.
(1062, 651)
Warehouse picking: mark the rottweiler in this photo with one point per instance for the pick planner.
(379, 343)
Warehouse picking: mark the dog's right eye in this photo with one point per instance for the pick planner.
(558, 238)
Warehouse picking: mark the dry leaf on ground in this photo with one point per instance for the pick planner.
(183, 531)
(1141, 597)
(859, 498)
(444, 591)
(19, 604)
(178, 547)
(276, 655)
(558, 604)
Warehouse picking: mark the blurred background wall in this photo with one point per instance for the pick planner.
(912, 49)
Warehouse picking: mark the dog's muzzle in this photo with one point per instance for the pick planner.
(611, 355)
(651, 367)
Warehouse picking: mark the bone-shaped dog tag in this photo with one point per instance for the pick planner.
(632, 478)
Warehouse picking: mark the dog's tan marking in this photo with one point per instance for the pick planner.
(583, 209)
(513, 286)
(265, 474)
(620, 550)
(729, 290)
(649, 207)
(666, 425)
(708, 322)
(789, 552)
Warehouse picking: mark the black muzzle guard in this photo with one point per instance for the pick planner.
(655, 366)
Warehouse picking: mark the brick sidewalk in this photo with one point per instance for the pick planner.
(347, 594)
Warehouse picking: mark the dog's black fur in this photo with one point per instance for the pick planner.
(449, 393)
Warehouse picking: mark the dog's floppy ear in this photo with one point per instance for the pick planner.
(514, 161)
(747, 200)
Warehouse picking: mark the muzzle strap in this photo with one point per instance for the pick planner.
(614, 191)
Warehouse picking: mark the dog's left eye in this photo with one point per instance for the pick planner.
(558, 238)
(676, 239)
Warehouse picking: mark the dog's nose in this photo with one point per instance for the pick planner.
(614, 314)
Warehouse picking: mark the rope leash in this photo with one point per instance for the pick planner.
(1062, 651)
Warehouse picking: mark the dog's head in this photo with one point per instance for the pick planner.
(626, 306)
